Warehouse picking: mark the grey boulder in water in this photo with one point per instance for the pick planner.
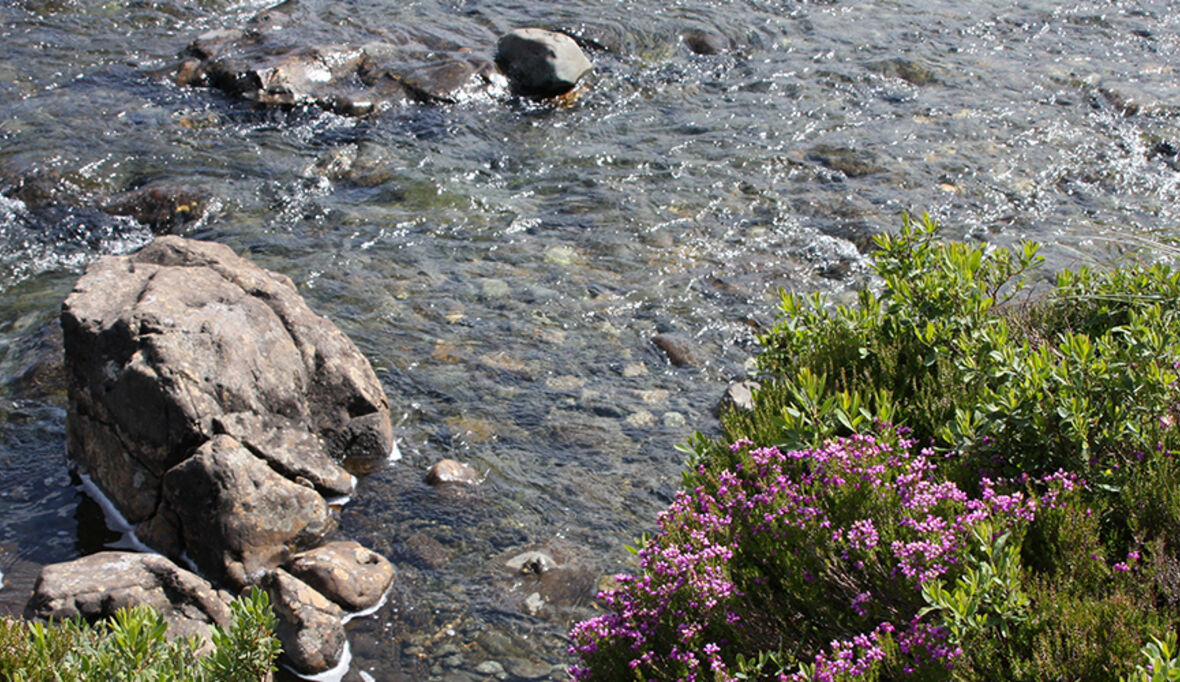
(540, 63)
(215, 410)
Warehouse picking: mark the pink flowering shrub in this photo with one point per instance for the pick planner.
(841, 556)
(821, 553)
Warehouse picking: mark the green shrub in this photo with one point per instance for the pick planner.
(1067, 399)
(1083, 377)
(132, 646)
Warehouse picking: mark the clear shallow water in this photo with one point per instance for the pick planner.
(504, 264)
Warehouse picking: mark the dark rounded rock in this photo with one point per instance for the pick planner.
(705, 43)
(851, 162)
(450, 471)
(540, 63)
(161, 207)
(680, 350)
(426, 551)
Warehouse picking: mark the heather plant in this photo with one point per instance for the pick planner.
(1026, 527)
(132, 646)
(815, 563)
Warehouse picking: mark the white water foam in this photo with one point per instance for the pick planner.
(114, 518)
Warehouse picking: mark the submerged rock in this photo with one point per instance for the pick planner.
(260, 63)
(680, 350)
(423, 550)
(851, 162)
(545, 579)
(705, 43)
(540, 63)
(97, 586)
(912, 72)
(161, 207)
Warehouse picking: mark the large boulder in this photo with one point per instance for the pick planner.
(182, 342)
(97, 586)
(540, 63)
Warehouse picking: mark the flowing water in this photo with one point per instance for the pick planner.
(504, 264)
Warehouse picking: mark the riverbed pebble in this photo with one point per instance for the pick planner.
(449, 471)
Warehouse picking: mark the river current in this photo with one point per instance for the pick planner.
(504, 264)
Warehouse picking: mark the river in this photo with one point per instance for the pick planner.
(504, 264)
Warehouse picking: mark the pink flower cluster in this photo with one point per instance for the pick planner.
(857, 517)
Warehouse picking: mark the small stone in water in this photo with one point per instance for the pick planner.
(674, 420)
(635, 369)
(529, 670)
(655, 395)
(534, 602)
(560, 255)
(494, 288)
(450, 471)
(531, 562)
(680, 350)
(641, 418)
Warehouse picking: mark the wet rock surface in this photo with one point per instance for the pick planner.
(96, 586)
(545, 579)
(739, 395)
(162, 207)
(260, 63)
(448, 471)
(705, 43)
(540, 63)
(680, 350)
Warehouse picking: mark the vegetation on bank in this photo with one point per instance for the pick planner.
(132, 647)
(953, 479)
